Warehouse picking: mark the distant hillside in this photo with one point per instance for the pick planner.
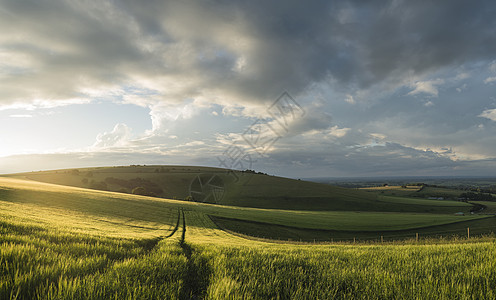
(216, 185)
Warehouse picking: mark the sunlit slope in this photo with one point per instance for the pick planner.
(60, 242)
(236, 189)
(151, 216)
(89, 211)
(164, 181)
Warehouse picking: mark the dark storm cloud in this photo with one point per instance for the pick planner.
(360, 43)
(276, 45)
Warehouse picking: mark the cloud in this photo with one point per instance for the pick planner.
(21, 116)
(462, 76)
(163, 114)
(378, 136)
(338, 132)
(426, 87)
(181, 59)
(386, 159)
(489, 80)
(489, 114)
(246, 53)
(119, 136)
(492, 66)
(350, 99)
(461, 88)
(313, 120)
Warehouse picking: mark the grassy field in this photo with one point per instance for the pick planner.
(239, 188)
(245, 189)
(61, 242)
(490, 207)
(393, 190)
(438, 192)
(415, 191)
(147, 212)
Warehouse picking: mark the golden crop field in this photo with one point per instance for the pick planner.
(69, 243)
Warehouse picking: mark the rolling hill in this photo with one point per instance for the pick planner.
(235, 188)
(152, 214)
(63, 242)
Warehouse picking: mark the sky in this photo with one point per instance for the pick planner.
(291, 88)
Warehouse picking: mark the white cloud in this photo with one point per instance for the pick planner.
(245, 111)
(492, 66)
(21, 116)
(428, 87)
(489, 114)
(338, 132)
(163, 114)
(350, 99)
(461, 76)
(378, 136)
(489, 80)
(119, 136)
(461, 88)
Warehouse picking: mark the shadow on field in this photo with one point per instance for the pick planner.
(257, 230)
(196, 280)
(149, 244)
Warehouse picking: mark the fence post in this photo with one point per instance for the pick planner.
(382, 239)
(416, 236)
(468, 232)
(354, 240)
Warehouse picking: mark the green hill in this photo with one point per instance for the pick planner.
(152, 215)
(61, 242)
(235, 188)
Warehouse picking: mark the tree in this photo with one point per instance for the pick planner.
(98, 185)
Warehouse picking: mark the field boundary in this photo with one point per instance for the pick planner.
(376, 235)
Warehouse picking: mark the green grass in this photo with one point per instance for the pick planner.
(352, 221)
(414, 191)
(52, 265)
(350, 272)
(56, 249)
(40, 263)
(173, 180)
(146, 214)
(439, 192)
(61, 242)
(490, 206)
(393, 190)
(264, 230)
(252, 190)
